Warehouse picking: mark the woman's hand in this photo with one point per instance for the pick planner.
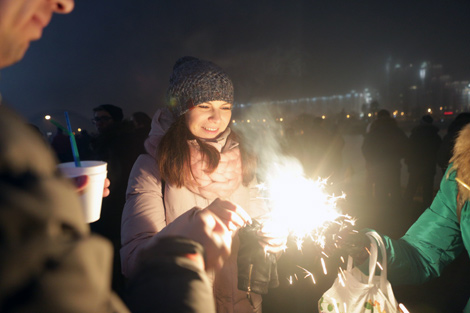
(206, 228)
(231, 214)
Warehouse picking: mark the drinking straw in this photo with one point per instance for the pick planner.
(50, 119)
(76, 157)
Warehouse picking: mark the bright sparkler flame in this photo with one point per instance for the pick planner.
(299, 206)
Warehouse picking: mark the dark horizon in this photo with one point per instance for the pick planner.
(122, 53)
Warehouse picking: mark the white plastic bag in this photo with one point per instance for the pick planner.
(354, 292)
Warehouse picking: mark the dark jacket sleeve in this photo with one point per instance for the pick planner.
(167, 281)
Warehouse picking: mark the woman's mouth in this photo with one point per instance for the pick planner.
(209, 129)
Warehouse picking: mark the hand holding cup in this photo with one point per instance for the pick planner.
(91, 188)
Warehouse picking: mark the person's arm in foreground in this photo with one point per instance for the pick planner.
(170, 274)
(50, 261)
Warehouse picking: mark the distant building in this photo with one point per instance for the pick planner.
(350, 103)
(417, 90)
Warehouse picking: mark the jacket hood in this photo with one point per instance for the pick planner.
(161, 122)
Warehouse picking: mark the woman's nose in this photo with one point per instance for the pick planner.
(215, 115)
(63, 6)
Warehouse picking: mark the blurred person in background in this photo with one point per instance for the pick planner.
(142, 126)
(61, 145)
(383, 148)
(421, 160)
(115, 143)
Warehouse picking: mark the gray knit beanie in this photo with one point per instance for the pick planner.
(195, 81)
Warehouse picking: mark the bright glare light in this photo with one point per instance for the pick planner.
(264, 120)
(402, 113)
(233, 121)
(299, 206)
(347, 116)
(429, 110)
(323, 116)
(247, 121)
(369, 115)
(79, 130)
(281, 119)
(47, 117)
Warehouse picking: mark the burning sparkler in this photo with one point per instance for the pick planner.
(299, 206)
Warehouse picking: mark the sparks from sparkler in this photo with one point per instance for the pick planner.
(402, 308)
(341, 280)
(299, 206)
(342, 274)
(307, 273)
(380, 266)
(323, 266)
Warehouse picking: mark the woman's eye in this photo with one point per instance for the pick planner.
(226, 108)
(202, 106)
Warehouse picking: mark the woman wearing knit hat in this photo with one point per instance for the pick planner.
(193, 161)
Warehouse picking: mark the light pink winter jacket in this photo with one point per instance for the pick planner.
(144, 216)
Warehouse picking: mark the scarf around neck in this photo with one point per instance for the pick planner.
(225, 179)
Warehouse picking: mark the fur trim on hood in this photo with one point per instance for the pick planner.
(461, 164)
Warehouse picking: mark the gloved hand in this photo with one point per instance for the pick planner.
(354, 243)
(257, 268)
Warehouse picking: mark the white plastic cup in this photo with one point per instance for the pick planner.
(92, 196)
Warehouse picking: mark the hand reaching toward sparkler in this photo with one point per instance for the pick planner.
(354, 243)
(231, 214)
(204, 227)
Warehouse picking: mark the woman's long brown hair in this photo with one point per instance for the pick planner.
(174, 158)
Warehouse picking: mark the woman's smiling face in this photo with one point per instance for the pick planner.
(209, 119)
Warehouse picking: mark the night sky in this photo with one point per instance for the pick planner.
(122, 52)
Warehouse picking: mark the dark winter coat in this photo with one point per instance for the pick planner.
(424, 145)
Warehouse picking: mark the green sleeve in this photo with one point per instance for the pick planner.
(431, 243)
